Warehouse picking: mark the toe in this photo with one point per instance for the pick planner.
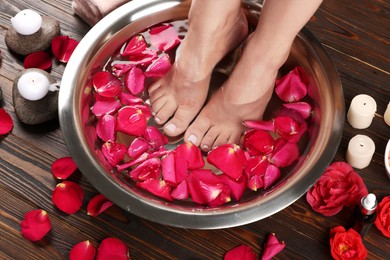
(163, 109)
(221, 139)
(197, 129)
(208, 140)
(181, 119)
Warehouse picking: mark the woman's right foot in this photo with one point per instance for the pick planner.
(215, 29)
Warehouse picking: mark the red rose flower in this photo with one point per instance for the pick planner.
(346, 244)
(382, 221)
(339, 186)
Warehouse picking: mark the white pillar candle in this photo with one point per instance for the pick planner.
(362, 111)
(360, 150)
(26, 22)
(33, 85)
(386, 116)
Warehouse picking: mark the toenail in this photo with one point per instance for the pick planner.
(171, 128)
(157, 120)
(192, 139)
(206, 147)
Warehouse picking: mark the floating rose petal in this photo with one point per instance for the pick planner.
(82, 251)
(159, 67)
(155, 138)
(6, 123)
(68, 197)
(258, 142)
(242, 252)
(120, 69)
(272, 173)
(144, 58)
(106, 84)
(114, 152)
(131, 120)
(35, 225)
(128, 99)
(229, 158)
(63, 167)
(62, 47)
(145, 111)
(291, 87)
(135, 46)
(149, 169)
(284, 153)
(204, 186)
(237, 188)
(303, 108)
(137, 147)
(135, 80)
(164, 37)
(105, 107)
(105, 128)
(174, 168)
(97, 205)
(192, 155)
(272, 247)
(157, 187)
(260, 125)
(112, 248)
(40, 59)
(255, 182)
(223, 197)
(256, 165)
(180, 192)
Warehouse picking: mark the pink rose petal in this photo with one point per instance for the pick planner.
(149, 169)
(137, 147)
(303, 108)
(164, 37)
(105, 128)
(120, 69)
(129, 99)
(131, 120)
(192, 154)
(114, 152)
(135, 46)
(180, 192)
(155, 137)
(135, 80)
(106, 84)
(272, 247)
(105, 106)
(284, 153)
(157, 187)
(272, 173)
(258, 142)
(260, 125)
(159, 67)
(291, 87)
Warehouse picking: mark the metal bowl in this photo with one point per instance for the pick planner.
(115, 29)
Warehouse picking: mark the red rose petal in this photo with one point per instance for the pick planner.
(35, 225)
(120, 69)
(105, 107)
(291, 87)
(192, 155)
(382, 221)
(129, 99)
(290, 125)
(242, 252)
(40, 59)
(346, 244)
(157, 187)
(258, 142)
(106, 84)
(303, 108)
(131, 121)
(114, 152)
(164, 37)
(135, 46)
(149, 169)
(260, 125)
(135, 80)
(255, 182)
(159, 67)
(63, 167)
(143, 157)
(271, 174)
(112, 248)
(155, 138)
(68, 197)
(174, 168)
(62, 47)
(204, 186)
(284, 153)
(256, 165)
(105, 128)
(6, 123)
(83, 250)
(237, 188)
(229, 158)
(137, 147)
(144, 58)
(97, 205)
(180, 192)
(272, 247)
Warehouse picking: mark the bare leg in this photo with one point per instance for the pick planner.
(215, 28)
(246, 93)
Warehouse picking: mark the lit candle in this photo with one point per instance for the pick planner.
(360, 150)
(33, 85)
(386, 116)
(362, 111)
(26, 22)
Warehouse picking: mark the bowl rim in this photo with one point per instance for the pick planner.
(386, 158)
(164, 212)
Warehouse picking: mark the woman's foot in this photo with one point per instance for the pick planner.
(244, 96)
(212, 33)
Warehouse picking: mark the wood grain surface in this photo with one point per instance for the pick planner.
(356, 35)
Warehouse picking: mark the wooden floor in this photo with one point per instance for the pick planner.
(356, 34)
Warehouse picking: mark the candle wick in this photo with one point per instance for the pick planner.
(361, 145)
(364, 103)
